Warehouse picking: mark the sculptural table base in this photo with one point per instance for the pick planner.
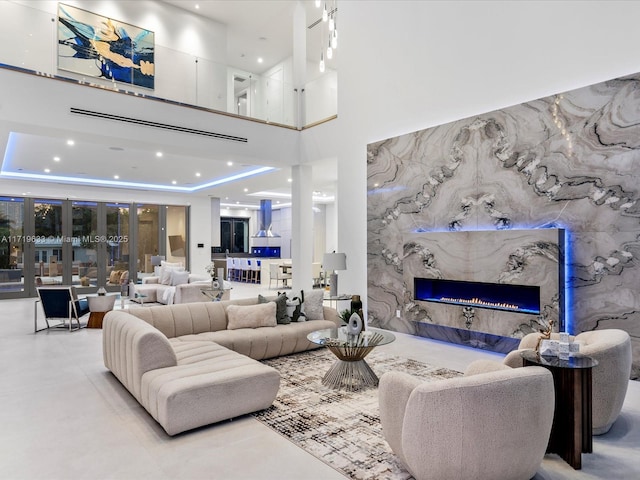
(350, 372)
(350, 375)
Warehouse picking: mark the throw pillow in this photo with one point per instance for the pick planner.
(179, 278)
(114, 276)
(281, 308)
(165, 274)
(251, 316)
(171, 264)
(312, 305)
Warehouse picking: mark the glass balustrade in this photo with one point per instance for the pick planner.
(179, 76)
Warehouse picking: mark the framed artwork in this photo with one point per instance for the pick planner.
(98, 46)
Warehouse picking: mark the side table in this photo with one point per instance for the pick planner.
(338, 298)
(571, 432)
(99, 305)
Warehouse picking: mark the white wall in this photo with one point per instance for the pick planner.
(438, 61)
(180, 39)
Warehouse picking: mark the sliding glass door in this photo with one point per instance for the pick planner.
(12, 241)
(85, 244)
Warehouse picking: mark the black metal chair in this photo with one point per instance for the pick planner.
(61, 304)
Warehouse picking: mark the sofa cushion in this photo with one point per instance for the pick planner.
(179, 277)
(251, 316)
(281, 308)
(264, 342)
(209, 384)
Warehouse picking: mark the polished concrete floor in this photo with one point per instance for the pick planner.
(64, 416)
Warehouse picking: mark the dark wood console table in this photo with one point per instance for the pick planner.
(571, 432)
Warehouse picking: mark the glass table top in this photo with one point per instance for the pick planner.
(574, 361)
(339, 337)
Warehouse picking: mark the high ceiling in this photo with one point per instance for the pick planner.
(255, 28)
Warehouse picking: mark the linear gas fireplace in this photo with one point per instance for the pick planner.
(495, 296)
(484, 289)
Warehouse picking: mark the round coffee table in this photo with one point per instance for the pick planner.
(350, 371)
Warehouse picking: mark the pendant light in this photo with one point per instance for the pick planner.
(325, 14)
(329, 51)
(318, 3)
(334, 36)
(321, 62)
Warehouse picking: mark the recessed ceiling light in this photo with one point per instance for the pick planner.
(259, 59)
(238, 203)
(289, 180)
(158, 154)
(70, 142)
(246, 189)
(197, 6)
(173, 182)
(277, 201)
(229, 163)
(47, 170)
(197, 174)
(116, 177)
(56, 159)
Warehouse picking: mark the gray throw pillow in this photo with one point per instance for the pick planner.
(281, 308)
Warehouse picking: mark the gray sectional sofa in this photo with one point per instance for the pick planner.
(188, 369)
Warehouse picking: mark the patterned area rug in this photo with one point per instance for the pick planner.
(340, 428)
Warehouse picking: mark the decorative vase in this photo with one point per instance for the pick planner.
(354, 327)
(356, 303)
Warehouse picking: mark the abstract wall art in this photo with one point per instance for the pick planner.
(98, 46)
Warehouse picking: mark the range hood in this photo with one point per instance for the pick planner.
(264, 221)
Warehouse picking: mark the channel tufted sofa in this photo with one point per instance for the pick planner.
(187, 369)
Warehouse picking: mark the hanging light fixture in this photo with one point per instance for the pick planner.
(334, 36)
(318, 3)
(328, 15)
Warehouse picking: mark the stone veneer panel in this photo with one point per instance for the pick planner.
(567, 161)
(518, 257)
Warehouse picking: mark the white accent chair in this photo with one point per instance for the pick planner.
(489, 426)
(610, 378)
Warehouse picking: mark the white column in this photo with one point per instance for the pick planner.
(302, 227)
(215, 222)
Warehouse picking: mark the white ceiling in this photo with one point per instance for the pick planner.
(255, 28)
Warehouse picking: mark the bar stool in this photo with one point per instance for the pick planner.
(236, 270)
(255, 270)
(230, 271)
(245, 269)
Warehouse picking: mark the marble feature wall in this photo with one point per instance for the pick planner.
(516, 257)
(567, 161)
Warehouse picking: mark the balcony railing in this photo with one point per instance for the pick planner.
(179, 76)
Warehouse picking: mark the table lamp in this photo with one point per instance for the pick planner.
(332, 262)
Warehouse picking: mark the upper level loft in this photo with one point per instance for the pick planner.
(36, 40)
